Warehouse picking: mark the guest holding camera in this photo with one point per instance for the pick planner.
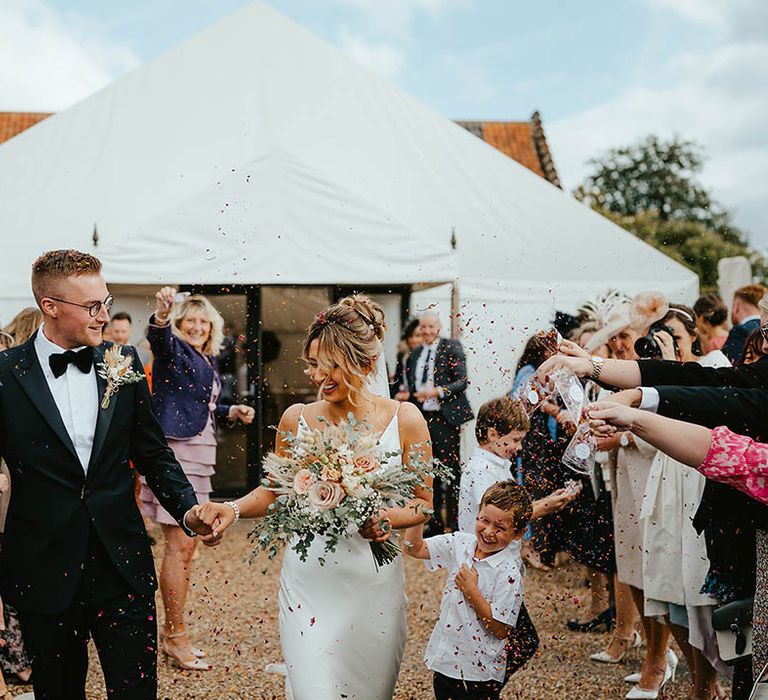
(185, 334)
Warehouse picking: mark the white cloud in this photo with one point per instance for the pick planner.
(49, 61)
(382, 58)
(716, 95)
(384, 30)
(740, 18)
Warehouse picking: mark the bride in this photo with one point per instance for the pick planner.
(343, 625)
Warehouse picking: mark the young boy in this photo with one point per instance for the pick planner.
(482, 597)
(500, 428)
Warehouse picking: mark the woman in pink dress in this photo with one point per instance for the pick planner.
(185, 338)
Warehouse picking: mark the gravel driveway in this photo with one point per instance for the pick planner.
(234, 617)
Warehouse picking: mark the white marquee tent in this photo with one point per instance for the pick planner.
(255, 153)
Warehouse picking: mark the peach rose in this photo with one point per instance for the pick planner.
(367, 463)
(325, 495)
(302, 481)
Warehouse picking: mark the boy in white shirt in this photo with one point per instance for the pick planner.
(501, 426)
(482, 597)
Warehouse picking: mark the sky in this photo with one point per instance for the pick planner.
(602, 73)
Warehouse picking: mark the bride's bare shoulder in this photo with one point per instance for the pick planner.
(290, 418)
(410, 419)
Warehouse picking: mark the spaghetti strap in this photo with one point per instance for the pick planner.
(399, 403)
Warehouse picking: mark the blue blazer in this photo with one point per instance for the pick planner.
(737, 338)
(182, 380)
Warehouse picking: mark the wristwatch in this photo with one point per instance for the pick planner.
(624, 440)
(597, 367)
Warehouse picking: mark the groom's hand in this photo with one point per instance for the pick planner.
(208, 533)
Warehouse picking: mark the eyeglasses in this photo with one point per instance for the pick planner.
(94, 308)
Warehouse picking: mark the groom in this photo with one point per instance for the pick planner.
(76, 560)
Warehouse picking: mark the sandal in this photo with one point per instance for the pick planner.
(633, 642)
(191, 663)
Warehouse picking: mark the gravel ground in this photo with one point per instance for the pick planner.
(235, 618)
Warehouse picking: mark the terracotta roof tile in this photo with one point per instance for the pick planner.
(522, 141)
(12, 123)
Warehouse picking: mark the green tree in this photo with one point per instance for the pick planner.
(650, 188)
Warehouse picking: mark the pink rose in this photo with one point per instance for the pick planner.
(325, 495)
(302, 481)
(367, 463)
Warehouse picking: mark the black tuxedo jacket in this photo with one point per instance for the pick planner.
(55, 507)
(664, 372)
(451, 376)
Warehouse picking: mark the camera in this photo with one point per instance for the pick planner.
(647, 346)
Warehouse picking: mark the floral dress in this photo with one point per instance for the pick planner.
(742, 463)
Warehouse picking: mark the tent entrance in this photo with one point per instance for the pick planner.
(261, 364)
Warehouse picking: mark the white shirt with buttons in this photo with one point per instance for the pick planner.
(460, 647)
(76, 395)
(427, 358)
(483, 470)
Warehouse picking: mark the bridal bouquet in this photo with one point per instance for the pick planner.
(331, 481)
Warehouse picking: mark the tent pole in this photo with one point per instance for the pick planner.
(455, 326)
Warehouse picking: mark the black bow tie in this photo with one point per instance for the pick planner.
(82, 359)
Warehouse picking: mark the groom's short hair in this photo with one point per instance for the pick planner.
(58, 265)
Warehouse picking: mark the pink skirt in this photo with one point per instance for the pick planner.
(151, 508)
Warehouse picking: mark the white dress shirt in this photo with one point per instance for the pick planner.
(482, 471)
(460, 647)
(428, 354)
(76, 395)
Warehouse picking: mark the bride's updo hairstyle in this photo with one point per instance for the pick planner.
(349, 335)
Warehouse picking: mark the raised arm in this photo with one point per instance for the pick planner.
(685, 442)
(623, 374)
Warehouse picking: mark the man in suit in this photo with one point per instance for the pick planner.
(437, 384)
(745, 316)
(76, 561)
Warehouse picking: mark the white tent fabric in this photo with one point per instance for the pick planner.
(255, 153)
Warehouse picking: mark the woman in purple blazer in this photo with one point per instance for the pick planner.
(185, 340)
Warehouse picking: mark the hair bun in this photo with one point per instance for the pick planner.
(369, 311)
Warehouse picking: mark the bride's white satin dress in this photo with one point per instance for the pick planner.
(343, 625)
